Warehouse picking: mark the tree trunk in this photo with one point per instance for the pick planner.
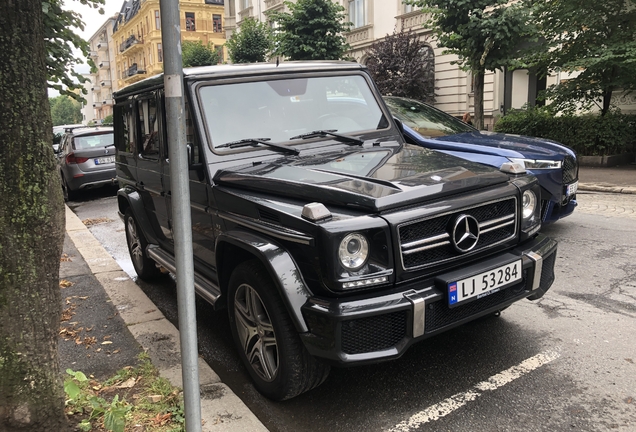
(607, 100)
(478, 92)
(31, 229)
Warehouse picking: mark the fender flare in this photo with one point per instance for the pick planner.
(279, 264)
(136, 205)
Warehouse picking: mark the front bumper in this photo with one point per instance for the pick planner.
(382, 327)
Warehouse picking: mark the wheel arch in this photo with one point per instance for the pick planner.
(235, 247)
(127, 199)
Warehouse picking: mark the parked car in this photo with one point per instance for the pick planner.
(58, 133)
(328, 238)
(555, 165)
(86, 159)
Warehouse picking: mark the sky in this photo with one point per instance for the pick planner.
(93, 20)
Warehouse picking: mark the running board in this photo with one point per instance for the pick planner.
(206, 289)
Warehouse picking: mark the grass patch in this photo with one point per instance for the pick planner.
(135, 399)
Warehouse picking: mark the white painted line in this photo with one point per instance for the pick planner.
(458, 400)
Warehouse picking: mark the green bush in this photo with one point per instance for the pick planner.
(588, 135)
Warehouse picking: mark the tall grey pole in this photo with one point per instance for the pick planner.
(182, 226)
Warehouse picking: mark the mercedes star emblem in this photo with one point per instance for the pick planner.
(465, 233)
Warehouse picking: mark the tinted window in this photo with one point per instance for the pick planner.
(425, 120)
(124, 125)
(149, 127)
(84, 142)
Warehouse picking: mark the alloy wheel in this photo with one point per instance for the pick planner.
(256, 332)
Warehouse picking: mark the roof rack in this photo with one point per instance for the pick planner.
(69, 129)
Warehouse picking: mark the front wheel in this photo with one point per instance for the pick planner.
(144, 266)
(268, 343)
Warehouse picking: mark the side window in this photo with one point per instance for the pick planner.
(124, 127)
(149, 127)
(191, 138)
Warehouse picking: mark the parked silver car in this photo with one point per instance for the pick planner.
(86, 159)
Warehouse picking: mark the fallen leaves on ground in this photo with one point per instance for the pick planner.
(95, 221)
(68, 313)
(65, 258)
(65, 284)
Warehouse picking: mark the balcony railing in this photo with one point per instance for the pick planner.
(360, 35)
(272, 3)
(102, 46)
(134, 70)
(104, 64)
(130, 42)
(105, 83)
(107, 102)
(94, 54)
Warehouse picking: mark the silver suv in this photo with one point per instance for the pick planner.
(86, 158)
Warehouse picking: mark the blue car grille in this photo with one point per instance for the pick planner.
(428, 242)
(570, 170)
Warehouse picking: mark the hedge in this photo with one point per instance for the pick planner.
(588, 135)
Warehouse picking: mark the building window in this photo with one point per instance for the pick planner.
(409, 8)
(217, 26)
(357, 13)
(189, 16)
(157, 21)
(245, 4)
(159, 53)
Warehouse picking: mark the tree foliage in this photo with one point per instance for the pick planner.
(593, 41)
(65, 110)
(313, 30)
(251, 43)
(196, 54)
(485, 34)
(60, 41)
(31, 229)
(403, 65)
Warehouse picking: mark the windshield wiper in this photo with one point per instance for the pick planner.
(329, 132)
(256, 141)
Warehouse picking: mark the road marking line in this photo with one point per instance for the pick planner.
(458, 400)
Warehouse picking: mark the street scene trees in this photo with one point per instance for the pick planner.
(592, 44)
(252, 43)
(484, 34)
(65, 110)
(31, 228)
(312, 30)
(402, 64)
(196, 54)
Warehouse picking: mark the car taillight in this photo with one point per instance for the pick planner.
(71, 159)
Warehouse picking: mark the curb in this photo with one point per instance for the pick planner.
(221, 409)
(593, 187)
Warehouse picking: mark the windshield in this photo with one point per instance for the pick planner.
(425, 120)
(281, 109)
(85, 142)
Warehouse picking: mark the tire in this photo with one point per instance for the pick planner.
(68, 194)
(144, 266)
(267, 341)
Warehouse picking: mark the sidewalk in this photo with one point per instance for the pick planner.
(619, 179)
(104, 305)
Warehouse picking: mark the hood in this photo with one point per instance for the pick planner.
(499, 144)
(375, 178)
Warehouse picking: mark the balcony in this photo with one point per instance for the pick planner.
(245, 13)
(360, 36)
(107, 102)
(412, 20)
(132, 44)
(105, 83)
(272, 4)
(102, 46)
(94, 54)
(133, 74)
(104, 64)
(97, 104)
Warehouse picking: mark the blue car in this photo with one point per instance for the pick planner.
(554, 164)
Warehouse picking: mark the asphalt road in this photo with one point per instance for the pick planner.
(565, 362)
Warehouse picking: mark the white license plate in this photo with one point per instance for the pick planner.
(484, 284)
(105, 160)
(572, 188)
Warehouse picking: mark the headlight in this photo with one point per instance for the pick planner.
(529, 203)
(353, 251)
(538, 164)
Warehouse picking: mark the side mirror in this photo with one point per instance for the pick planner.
(56, 149)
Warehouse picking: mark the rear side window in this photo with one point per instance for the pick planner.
(149, 127)
(124, 127)
(85, 142)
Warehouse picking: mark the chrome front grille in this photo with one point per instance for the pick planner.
(426, 242)
(570, 170)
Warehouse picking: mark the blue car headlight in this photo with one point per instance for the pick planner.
(537, 163)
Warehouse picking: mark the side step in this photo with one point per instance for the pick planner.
(203, 286)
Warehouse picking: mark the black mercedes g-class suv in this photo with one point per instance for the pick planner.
(328, 238)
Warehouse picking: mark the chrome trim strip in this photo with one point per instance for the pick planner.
(274, 230)
(418, 312)
(494, 221)
(538, 267)
(423, 248)
(495, 227)
(429, 264)
(198, 207)
(424, 241)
